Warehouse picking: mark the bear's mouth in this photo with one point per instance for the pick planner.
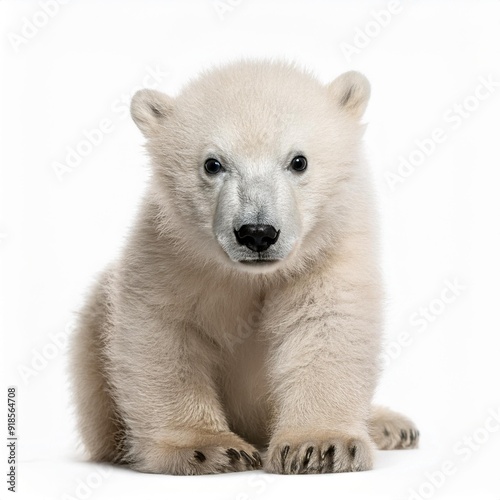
(251, 262)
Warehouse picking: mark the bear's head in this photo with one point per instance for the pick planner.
(256, 164)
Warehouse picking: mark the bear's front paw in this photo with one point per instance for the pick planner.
(213, 454)
(335, 452)
(215, 459)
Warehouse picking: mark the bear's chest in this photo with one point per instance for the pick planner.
(244, 388)
(229, 315)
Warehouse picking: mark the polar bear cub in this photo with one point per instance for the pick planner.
(241, 326)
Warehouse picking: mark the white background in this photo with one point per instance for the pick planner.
(441, 222)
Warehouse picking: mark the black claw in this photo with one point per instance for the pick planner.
(414, 433)
(307, 458)
(327, 459)
(284, 454)
(403, 435)
(329, 451)
(248, 458)
(199, 456)
(308, 455)
(233, 454)
(352, 451)
(257, 458)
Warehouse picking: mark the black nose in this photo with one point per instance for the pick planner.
(257, 237)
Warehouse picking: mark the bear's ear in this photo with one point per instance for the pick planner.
(150, 109)
(350, 91)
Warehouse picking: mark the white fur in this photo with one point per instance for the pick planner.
(186, 351)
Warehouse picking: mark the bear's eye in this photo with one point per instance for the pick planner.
(212, 166)
(299, 163)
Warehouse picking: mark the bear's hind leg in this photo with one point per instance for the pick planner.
(99, 424)
(392, 431)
